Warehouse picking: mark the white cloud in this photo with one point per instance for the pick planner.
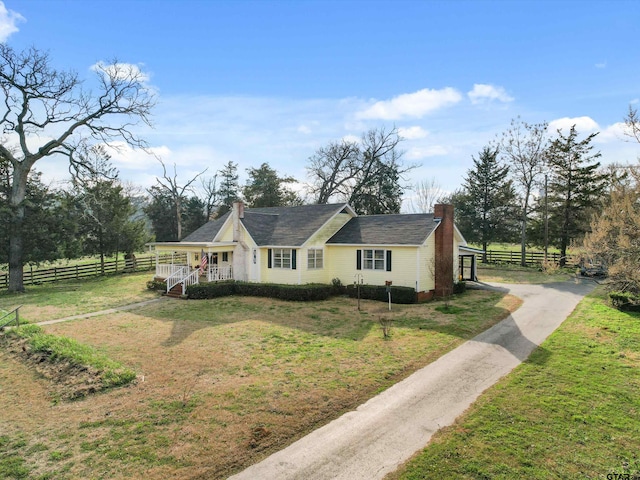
(125, 156)
(351, 138)
(601, 65)
(412, 133)
(483, 93)
(414, 105)
(613, 133)
(583, 125)
(121, 71)
(418, 153)
(304, 129)
(8, 22)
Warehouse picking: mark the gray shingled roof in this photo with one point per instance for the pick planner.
(208, 231)
(287, 226)
(403, 229)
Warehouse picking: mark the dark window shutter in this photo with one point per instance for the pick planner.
(269, 258)
(388, 260)
(293, 259)
(358, 259)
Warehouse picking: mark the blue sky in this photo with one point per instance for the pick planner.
(266, 81)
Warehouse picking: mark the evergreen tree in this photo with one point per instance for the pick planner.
(229, 190)
(486, 204)
(160, 211)
(265, 188)
(193, 215)
(104, 212)
(576, 188)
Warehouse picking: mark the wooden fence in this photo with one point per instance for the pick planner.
(34, 276)
(531, 258)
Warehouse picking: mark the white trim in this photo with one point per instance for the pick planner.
(350, 210)
(375, 245)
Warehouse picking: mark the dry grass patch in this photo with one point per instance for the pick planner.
(224, 382)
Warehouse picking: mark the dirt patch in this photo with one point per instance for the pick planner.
(67, 381)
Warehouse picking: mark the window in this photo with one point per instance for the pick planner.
(281, 258)
(370, 259)
(373, 259)
(314, 258)
(225, 256)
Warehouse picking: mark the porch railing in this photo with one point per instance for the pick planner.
(166, 270)
(217, 273)
(192, 279)
(177, 277)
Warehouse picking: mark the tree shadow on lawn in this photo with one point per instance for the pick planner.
(335, 318)
(338, 318)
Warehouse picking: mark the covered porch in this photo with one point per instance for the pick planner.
(182, 264)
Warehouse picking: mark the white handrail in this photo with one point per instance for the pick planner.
(177, 277)
(192, 279)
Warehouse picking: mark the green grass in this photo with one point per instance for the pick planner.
(73, 297)
(572, 410)
(63, 349)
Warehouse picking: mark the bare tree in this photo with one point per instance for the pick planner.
(210, 193)
(427, 193)
(368, 174)
(523, 148)
(168, 185)
(46, 113)
(332, 169)
(632, 121)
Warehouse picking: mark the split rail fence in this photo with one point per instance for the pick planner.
(531, 258)
(35, 276)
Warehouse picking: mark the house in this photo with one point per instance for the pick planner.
(316, 244)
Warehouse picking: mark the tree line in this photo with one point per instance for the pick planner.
(526, 185)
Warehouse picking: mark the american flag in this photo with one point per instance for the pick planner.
(204, 260)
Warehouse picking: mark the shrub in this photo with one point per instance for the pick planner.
(299, 293)
(338, 287)
(159, 285)
(379, 292)
(626, 301)
(459, 287)
(211, 290)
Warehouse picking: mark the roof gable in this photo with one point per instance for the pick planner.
(288, 226)
(208, 231)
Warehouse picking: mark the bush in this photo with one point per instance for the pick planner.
(159, 285)
(459, 287)
(379, 292)
(211, 290)
(298, 293)
(338, 287)
(626, 301)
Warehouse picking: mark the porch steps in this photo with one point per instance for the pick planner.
(176, 291)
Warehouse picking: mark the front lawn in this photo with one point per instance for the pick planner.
(73, 297)
(223, 382)
(572, 410)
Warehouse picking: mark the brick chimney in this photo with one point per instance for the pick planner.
(444, 259)
(237, 213)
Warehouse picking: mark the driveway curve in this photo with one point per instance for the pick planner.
(377, 437)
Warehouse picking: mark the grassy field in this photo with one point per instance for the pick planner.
(62, 299)
(221, 383)
(571, 411)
